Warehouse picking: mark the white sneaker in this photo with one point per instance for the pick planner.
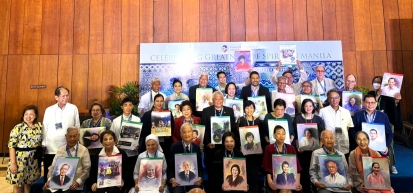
(394, 170)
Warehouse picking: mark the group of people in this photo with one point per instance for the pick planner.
(339, 132)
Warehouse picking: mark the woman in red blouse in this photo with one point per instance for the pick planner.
(187, 117)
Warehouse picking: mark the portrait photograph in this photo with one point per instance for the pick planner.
(260, 106)
(63, 172)
(242, 60)
(203, 98)
(90, 137)
(308, 138)
(377, 135)
(333, 173)
(109, 171)
(235, 174)
(129, 134)
(250, 140)
(284, 167)
(198, 133)
(289, 99)
(237, 105)
(150, 174)
(186, 169)
(271, 125)
(314, 98)
(376, 173)
(174, 107)
(219, 126)
(288, 54)
(352, 101)
(391, 84)
(161, 123)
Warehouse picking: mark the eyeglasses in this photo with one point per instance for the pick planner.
(350, 81)
(282, 83)
(320, 71)
(370, 103)
(306, 86)
(334, 98)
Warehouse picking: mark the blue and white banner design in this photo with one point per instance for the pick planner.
(186, 61)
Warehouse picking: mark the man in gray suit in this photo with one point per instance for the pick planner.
(321, 85)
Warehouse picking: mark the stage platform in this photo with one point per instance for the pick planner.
(403, 181)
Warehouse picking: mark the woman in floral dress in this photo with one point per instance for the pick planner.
(25, 140)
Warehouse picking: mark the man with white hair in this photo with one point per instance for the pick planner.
(203, 83)
(321, 85)
(72, 149)
(146, 101)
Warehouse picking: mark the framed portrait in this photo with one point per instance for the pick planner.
(161, 123)
(242, 60)
(198, 133)
(150, 174)
(219, 126)
(90, 137)
(260, 106)
(284, 167)
(352, 101)
(109, 171)
(237, 105)
(186, 169)
(314, 98)
(308, 138)
(174, 107)
(333, 173)
(235, 174)
(377, 135)
(250, 140)
(130, 133)
(391, 84)
(203, 98)
(376, 173)
(282, 122)
(288, 54)
(63, 172)
(289, 99)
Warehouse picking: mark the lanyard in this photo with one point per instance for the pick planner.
(97, 124)
(68, 151)
(248, 123)
(154, 155)
(283, 151)
(323, 87)
(325, 150)
(367, 117)
(220, 113)
(378, 102)
(121, 120)
(190, 120)
(334, 117)
(190, 148)
(254, 93)
(178, 96)
(231, 155)
(305, 118)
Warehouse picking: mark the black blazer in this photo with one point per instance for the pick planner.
(56, 180)
(263, 91)
(178, 148)
(191, 175)
(207, 113)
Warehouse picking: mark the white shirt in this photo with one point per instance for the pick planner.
(54, 138)
(116, 128)
(115, 151)
(146, 102)
(340, 118)
(294, 87)
(201, 105)
(335, 180)
(390, 91)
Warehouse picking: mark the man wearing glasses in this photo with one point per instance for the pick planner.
(291, 86)
(321, 85)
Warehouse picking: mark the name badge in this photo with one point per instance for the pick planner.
(58, 126)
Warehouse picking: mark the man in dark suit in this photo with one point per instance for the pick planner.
(285, 178)
(203, 83)
(62, 179)
(186, 175)
(218, 109)
(184, 146)
(255, 89)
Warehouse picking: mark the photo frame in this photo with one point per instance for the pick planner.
(352, 101)
(288, 54)
(289, 99)
(109, 171)
(198, 133)
(237, 105)
(129, 134)
(250, 140)
(219, 126)
(235, 180)
(332, 165)
(377, 135)
(242, 60)
(89, 137)
(308, 139)
(186, 169)
(391, 84)
(203, 98)
(174, 107)
(376, 173)
(260, 106)
(161, 123)
(284, 167)
(274, 122)
(150, 174)
(64, 166)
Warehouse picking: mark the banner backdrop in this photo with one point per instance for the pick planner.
(186, 61)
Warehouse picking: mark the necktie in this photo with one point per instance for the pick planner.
(187, 176)
(187, 149)
(61, 180)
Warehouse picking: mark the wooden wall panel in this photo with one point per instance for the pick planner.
(394, 59)
(380, 62)
(112, 13)
(378, 36)
(96, 27)
(266, 15)
(329, 20)
(80, 86)
(365, 68)
(16, 27)
(284, 16)
(48, 73)
(362, 25)
(81, 27)
(392, 25)
(110, 75)
(345, 24)
(207, 20)
(29, 76)
(407, 83)
(251, 20)
(94, 82)
(175, 21)
(3, 84)
(4, 26)
(224, 12)
(350, 64)
(146, 21)
(160, 21)
(65, 75)
(237, 9)
(315, 19)
(129, 69)
(300, 20)
(50, 31)
(190, 21)
(32, 28)
(406, 24)
(66, 26)
(130, 26)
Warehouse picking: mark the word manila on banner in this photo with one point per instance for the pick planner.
(186, 61)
